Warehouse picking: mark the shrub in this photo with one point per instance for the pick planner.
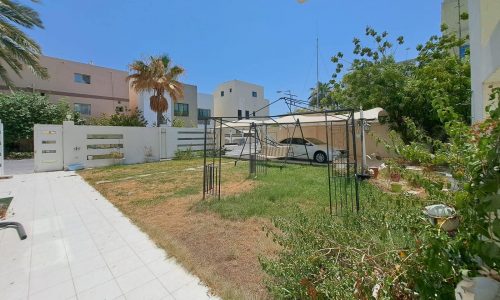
(133, 118)
(184, 154)
(20, 155)
(388, 251)
(20, 111)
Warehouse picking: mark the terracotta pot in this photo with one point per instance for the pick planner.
(396, 177)
(374, 172)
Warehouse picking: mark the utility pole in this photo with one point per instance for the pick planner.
(317, 73)
(459, 19)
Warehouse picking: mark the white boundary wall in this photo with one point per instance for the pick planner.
(2, 148)
(98, 146)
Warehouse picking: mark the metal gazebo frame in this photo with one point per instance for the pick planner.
(343, 174)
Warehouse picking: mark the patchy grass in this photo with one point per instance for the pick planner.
(220, 241)
(159, 198)
(279, 192)
(282, 190)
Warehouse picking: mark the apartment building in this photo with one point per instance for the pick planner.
(240, 100)
(91, 90)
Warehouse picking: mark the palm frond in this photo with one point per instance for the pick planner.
(4, 76)
(156, 74)
(16, 48)
(20, 14)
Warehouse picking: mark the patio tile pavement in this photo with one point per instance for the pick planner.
(80, 246)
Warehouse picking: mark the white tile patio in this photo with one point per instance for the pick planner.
(80, 246)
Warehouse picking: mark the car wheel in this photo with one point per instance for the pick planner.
(320, 157)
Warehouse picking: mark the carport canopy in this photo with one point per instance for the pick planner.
(371, 115)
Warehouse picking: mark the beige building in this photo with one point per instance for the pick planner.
(89, 89)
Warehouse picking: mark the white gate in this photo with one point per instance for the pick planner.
(1, 149)
(48, 148)
(163, 143)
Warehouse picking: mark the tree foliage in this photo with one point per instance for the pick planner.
(405, 89)
(319, 92)
(390, 250)
(20, 111)
(17, 49)
(132, 118)
(157, 74)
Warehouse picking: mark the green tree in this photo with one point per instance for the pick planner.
(16, 48)
(20, 111)
(320, 92)
(405, 89)
(157, 74)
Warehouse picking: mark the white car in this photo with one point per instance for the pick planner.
(316, 149)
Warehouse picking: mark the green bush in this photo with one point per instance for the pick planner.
(389, 250)
(133, 118)
(20, 155)
(20, 111)
(185, 154)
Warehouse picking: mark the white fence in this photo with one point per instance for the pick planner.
(65, 146)
(1, 149)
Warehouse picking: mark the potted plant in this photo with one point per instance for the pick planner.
(394, 171)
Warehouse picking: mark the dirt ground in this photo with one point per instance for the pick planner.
(223, 253)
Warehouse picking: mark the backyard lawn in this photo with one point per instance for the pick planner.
(220, 241)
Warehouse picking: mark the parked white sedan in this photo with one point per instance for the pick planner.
(311, 148)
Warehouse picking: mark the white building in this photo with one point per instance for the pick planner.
(452, 12)
(231, 99)
(205, 109)
(185, 109)
(240, 100)
(484, 24)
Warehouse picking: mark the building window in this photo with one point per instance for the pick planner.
(231, 90)
(254, 94)
(203, 114)
(82, 78)
(247, 114)
(83, 109)
(239, 114)
(181, 110)
(222, 93)
(463, 50)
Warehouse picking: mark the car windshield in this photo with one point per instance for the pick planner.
(315, 141)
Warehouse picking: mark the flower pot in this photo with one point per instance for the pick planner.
(374, 171)
(396, 187)
(448, 224)
(395, 177)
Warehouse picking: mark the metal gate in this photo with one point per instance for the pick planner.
(48, 148)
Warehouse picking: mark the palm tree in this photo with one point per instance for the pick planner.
(322, 90)
(16, 48)
(157, 74)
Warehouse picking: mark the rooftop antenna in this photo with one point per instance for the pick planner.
(459, 6)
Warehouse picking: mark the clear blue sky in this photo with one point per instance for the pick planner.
(268, 42)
